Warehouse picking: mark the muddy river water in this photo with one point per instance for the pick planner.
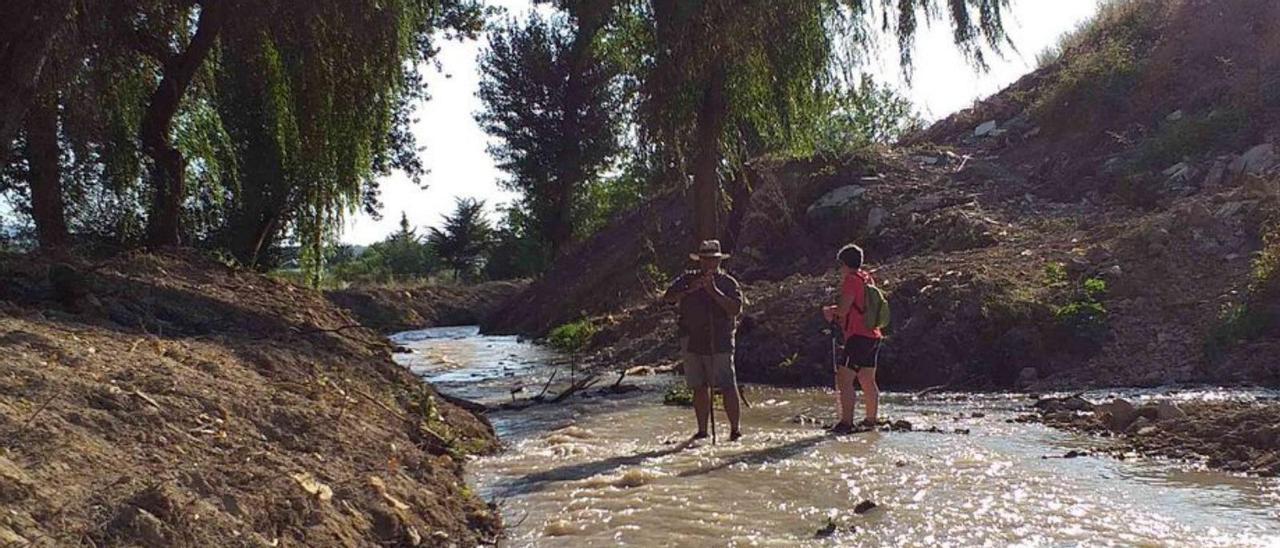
(617, 470)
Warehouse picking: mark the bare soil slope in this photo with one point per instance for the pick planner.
(399, 308)
(166, 400)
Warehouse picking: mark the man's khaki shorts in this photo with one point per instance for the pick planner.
(698, 368)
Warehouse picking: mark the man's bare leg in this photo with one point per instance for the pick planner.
(871, 391)
(847, 397)
(732, 406)
(702, 407)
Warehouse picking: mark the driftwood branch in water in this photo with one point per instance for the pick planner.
(575, 388)
(547, 385)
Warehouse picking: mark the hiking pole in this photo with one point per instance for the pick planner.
(834, 329)
(711, 364)
(711, 361)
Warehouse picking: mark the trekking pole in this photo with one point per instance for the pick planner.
(835, 366)
(711, 360)
(711, 364)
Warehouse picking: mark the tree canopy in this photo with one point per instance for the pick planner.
(242, 126)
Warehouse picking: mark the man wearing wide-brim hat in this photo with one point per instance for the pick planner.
(710, 303)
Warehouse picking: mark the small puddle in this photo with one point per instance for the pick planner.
(616, 470)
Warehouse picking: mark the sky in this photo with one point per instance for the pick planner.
(454, 145)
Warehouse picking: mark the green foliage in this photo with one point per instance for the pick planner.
(402, 256)
(678, 395)
(1190, 137)
(606, 198)
(1259, 314)
(870, 114)
(573, 336)
(465, 239)
(517, 251)
(1055, 275)
(655, 276)
(289, 121)
(555, 110)
(1102, 62)
(1084, 315)
(781, 61)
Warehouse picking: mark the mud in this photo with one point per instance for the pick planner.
(389, 309)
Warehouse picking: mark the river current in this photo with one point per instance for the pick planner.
(618, 470)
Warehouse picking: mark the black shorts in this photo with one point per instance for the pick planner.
(861, 353)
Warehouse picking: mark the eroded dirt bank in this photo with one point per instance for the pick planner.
(389, 309)
(166, 400)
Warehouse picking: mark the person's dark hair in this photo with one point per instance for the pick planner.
(850, 256)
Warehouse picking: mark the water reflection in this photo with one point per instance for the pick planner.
(620, 470)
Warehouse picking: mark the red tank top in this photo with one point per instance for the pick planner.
(855, 288)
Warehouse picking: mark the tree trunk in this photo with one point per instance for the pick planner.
(43, 154)
(27, 33)
(571, 177)
(712, 113)
(164, 224)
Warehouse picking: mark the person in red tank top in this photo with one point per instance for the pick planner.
(861, 346)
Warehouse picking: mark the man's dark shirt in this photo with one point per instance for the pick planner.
(699, 314)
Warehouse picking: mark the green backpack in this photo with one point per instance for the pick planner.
(876, 315)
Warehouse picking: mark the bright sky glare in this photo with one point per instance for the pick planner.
(455, 145)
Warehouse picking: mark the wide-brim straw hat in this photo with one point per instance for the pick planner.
(709, 249)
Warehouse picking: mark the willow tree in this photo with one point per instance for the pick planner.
(237, 123)
(732, 78)
(319, 98)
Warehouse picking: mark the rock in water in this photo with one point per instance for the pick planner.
(826, 530)
(1119, 414)
(1137, 426)
(901, 426)
(1167, 410)
(864, 507)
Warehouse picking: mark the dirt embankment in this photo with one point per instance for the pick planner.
(1020, 249)
(166, 400)
(389, 309)
(1236, 436)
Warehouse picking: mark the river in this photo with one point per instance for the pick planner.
(616, 470)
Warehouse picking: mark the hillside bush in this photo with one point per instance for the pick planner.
(1191, 137)
(573, 336)
(1259, 314)
(1100, 61)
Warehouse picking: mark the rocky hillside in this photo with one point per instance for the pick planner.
(166, 400)
(1100, 222)
(399, 308)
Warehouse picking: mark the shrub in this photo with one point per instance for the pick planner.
(1139, 190)
(1084, 315)
(573, 337)
(1189, 137)
(1055, 275)
(1102, 61)
(1260, 311)
(679, 395)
